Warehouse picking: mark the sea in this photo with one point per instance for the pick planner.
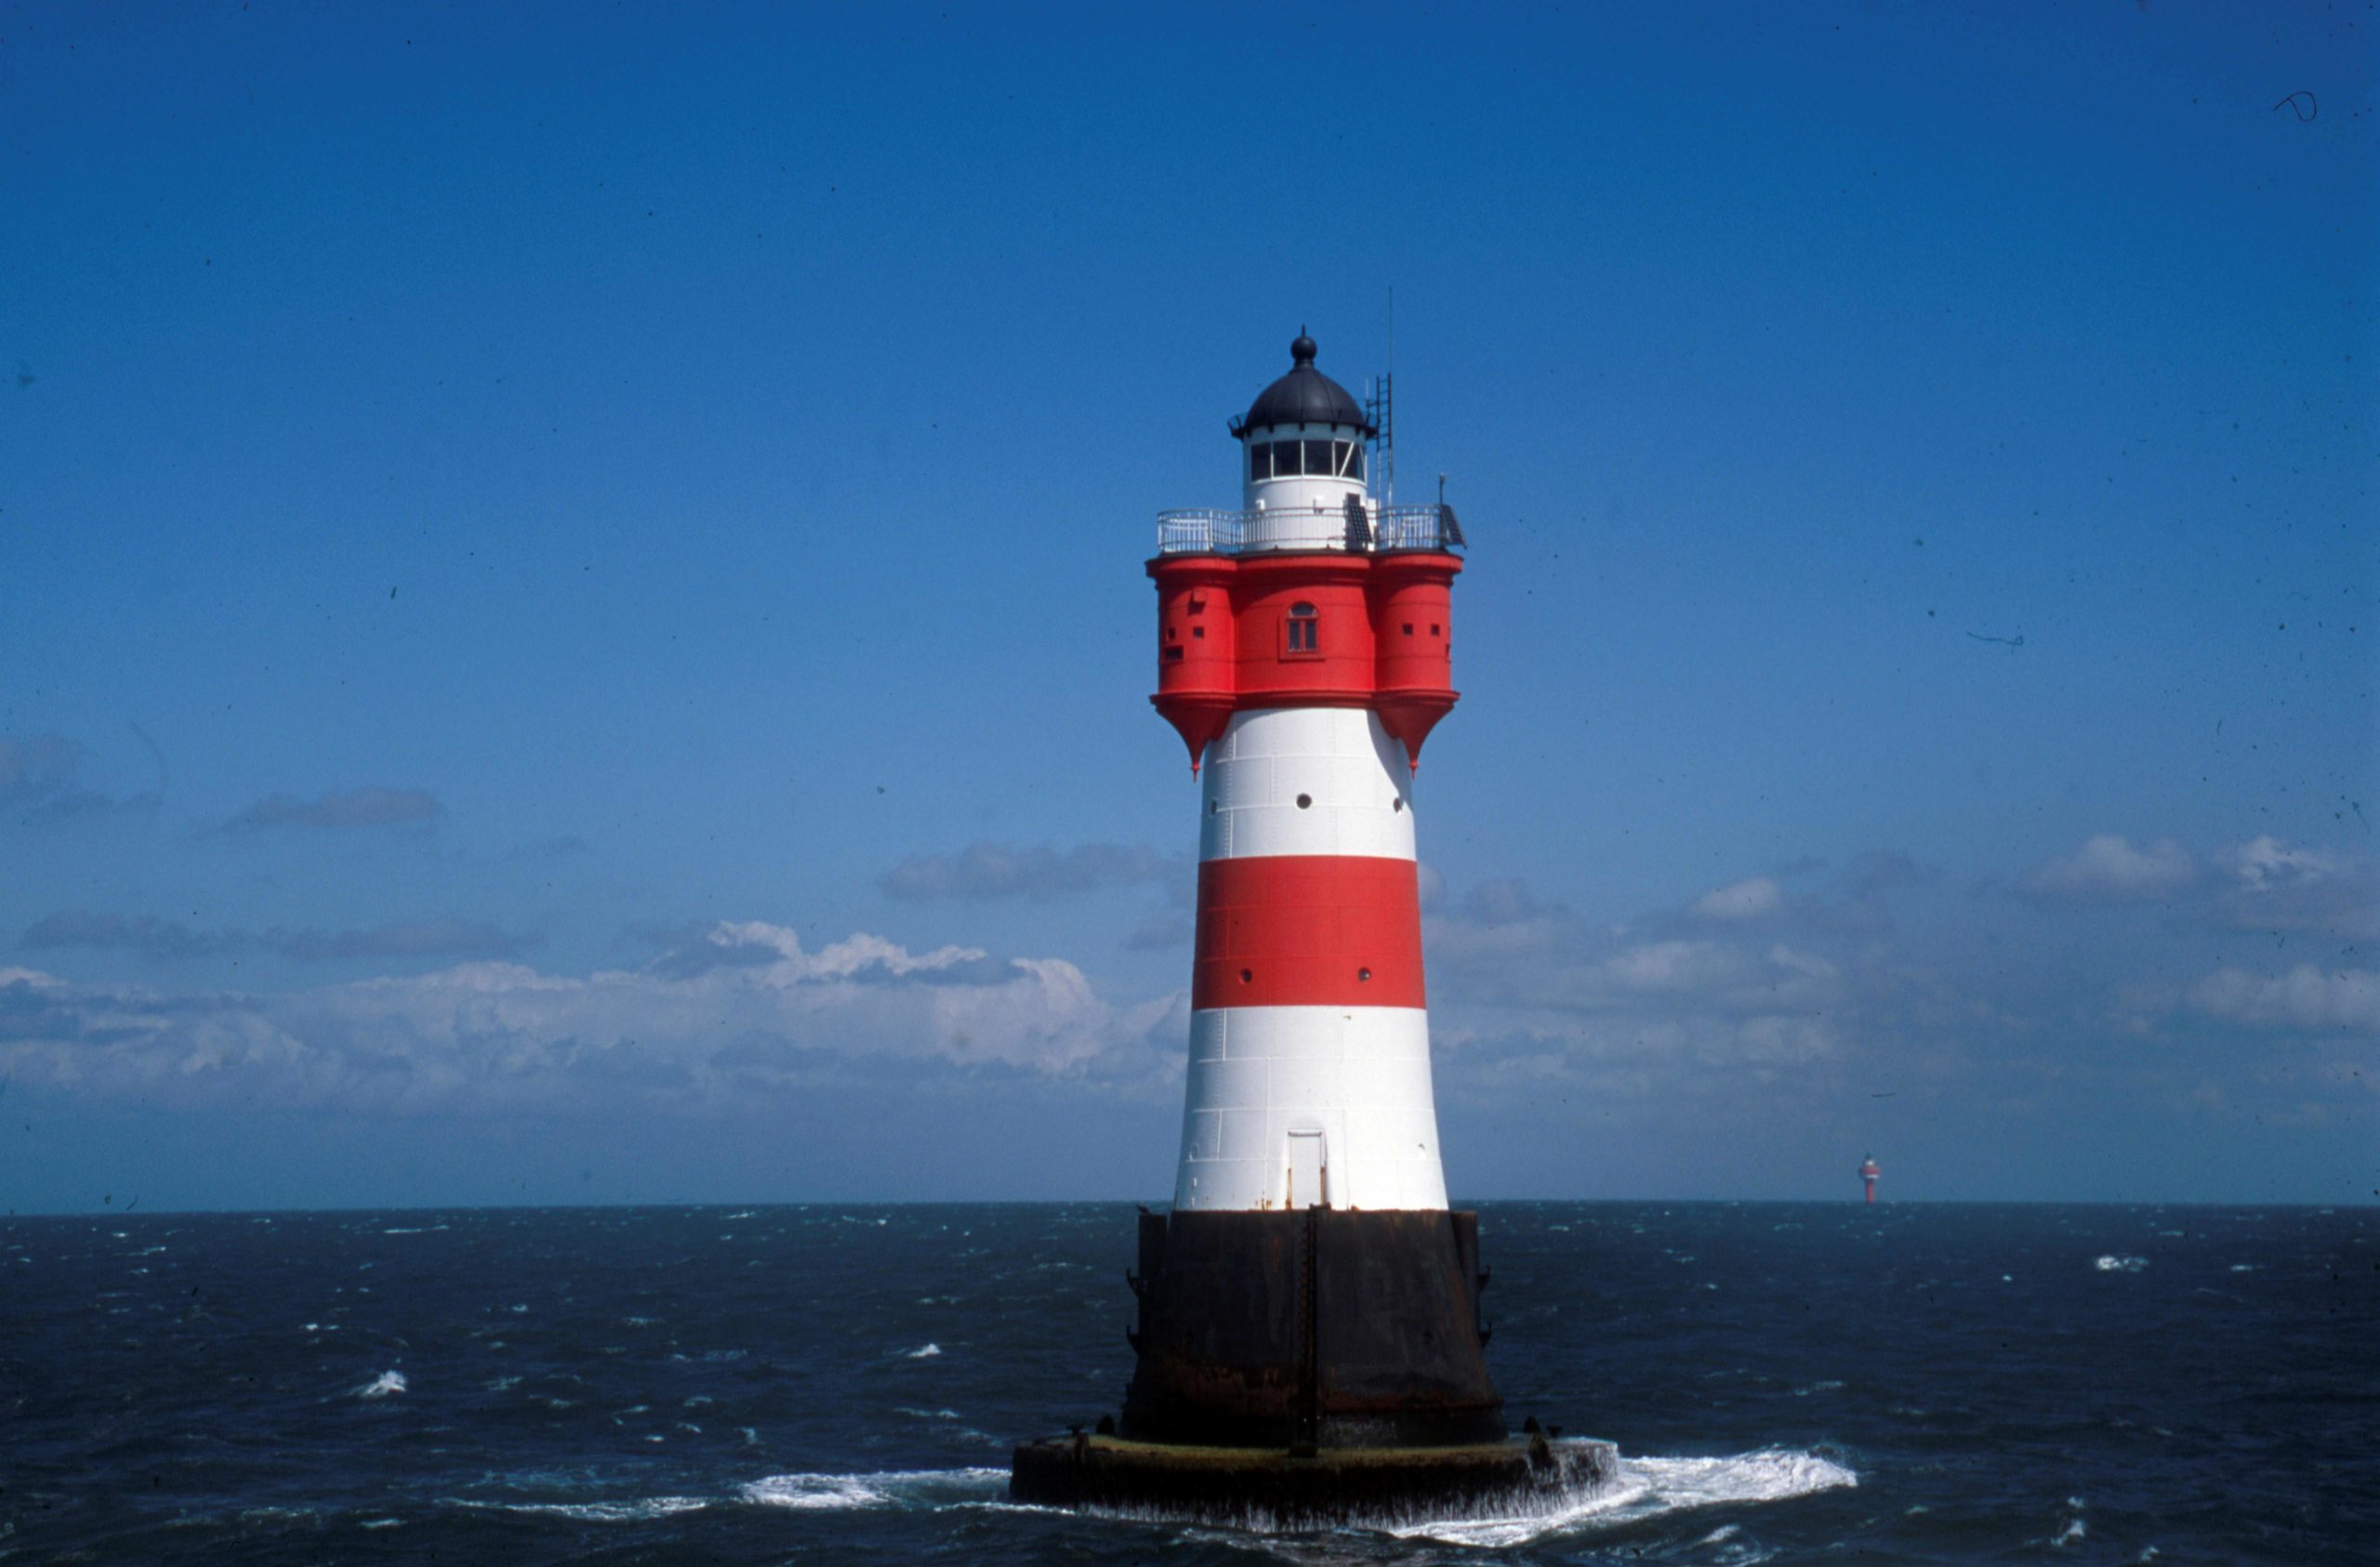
(1785, 1382)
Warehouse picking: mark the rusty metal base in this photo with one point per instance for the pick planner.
(1269, 1489)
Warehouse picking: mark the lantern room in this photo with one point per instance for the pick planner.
(1303, 460)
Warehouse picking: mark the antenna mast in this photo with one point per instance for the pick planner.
(1381, 408)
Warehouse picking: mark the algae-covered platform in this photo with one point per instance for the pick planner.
(1271, 1488)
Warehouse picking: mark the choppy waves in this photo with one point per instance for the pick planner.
(900, 1488)
(739, 1384)
(1648, 1488)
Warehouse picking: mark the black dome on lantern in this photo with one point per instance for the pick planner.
(1304, 396)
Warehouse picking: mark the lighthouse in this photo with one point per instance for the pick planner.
(1309, 1334)
(1869, 1171)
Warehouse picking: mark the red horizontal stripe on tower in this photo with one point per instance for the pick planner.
(1308, 931)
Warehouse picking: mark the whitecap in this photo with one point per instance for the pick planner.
(595, 1512)
(1651, 1487)
(843, 1493)
(382, 1386)
(926, 1353)
(2112, 1264)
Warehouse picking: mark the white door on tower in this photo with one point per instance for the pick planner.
(1308, 1186)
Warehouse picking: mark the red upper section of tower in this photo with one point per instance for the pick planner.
(1305, 630)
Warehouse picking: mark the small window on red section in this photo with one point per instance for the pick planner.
(1302, 633)
(1433, 630)
(1176, 650)
(1198, 633)
(1172, 633)
(1409, 629)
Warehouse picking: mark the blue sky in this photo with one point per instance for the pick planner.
(572, 623)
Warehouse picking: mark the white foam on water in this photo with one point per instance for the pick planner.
(2121, 1264)
(1649, 1488)
(845, 1493)
(594, 1512)
(926, 1353)
(388, 1382)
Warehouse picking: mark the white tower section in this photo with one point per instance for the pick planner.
(1288, 1105)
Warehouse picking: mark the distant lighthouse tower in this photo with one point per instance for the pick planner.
(1868, 1174)
(1309, 1310)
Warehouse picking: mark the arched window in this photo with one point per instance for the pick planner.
(1304, 630)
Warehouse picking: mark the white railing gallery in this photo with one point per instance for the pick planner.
(1381, 529)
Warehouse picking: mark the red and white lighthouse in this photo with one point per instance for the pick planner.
(1310, 1285)
(1308, 1343)
(1869, 1171)
(1303, 652)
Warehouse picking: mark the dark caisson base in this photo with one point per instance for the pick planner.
(1264, 1488)
(1301, 1368)
(1312, 1329)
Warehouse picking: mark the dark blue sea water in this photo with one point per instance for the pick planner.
(1785, 1382)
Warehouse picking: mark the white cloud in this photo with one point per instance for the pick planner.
(1742, 900)
(2305, 997)
(2271, 885)
(2267, 862)
(753, 1011)
(2107, 869)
